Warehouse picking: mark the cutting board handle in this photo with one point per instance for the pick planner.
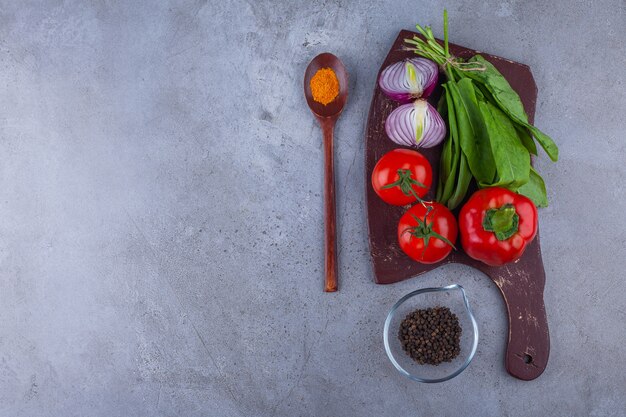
(528, 346)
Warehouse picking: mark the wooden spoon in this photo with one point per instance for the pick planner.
(327, 115)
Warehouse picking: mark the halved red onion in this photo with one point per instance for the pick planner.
(409, 79)
(416, 124)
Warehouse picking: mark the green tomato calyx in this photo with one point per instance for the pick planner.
(405, 182)
(424, 230)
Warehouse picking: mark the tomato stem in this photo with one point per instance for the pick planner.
(424, 230)
(405, 182)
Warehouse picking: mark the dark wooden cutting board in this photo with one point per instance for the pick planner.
(521, 283)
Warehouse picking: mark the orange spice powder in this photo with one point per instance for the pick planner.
(324, 86)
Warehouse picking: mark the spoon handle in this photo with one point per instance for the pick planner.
(330, 245)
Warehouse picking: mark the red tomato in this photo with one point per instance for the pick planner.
(400, 175)
(427, 232)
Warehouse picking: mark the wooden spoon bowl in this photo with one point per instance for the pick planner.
(334, 108)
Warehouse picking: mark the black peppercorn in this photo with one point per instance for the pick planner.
(431, 336)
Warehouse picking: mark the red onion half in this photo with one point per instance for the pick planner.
(409, 79)
(416, 124)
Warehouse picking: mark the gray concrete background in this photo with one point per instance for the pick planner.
(161, 212)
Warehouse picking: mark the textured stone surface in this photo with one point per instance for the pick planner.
(160, 197)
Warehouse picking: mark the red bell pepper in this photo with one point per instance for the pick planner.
(496, 225)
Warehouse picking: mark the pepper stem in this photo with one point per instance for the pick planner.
(503, 221)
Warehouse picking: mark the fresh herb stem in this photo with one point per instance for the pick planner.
(446, 47)
(422, 30)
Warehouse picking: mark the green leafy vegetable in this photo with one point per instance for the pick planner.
(464, 179)
(535, 189)
(509, 101)
(526, 139)
(511, 157)
(450, 156)
(473, 134)
(489, 136)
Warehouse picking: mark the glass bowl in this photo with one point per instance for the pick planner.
(451, 296)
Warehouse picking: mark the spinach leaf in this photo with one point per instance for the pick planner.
(446, 153)
(442, 106)
(465, 177)
(473, 135)
(545, 141)
(526, 139)
(449, 155)
(535, 189)
(446, 172)
(511, 157)
(508, 100)
(499, 87)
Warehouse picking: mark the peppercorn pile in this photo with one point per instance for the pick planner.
(431, 336)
